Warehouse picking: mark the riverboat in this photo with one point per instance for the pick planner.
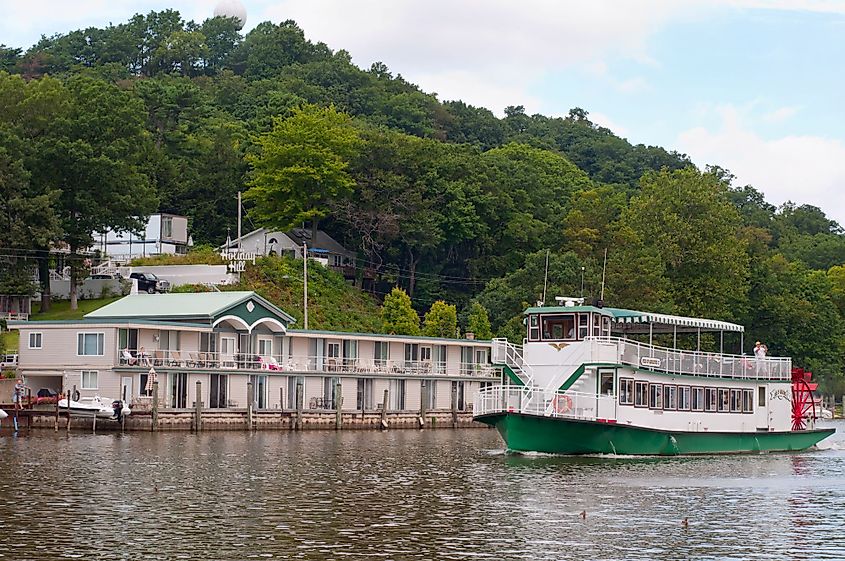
(591, 380)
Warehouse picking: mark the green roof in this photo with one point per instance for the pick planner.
(194, 305)
(422, 338)
(569, 310)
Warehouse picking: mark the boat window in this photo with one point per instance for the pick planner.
(736, 401)
(655, 396)
(583, 325)
(641, 394)
(626, 391)
(670, 397)
(596, 325)
(558, 327)
(697, 398)
(724, 400)
(710, 399)
(605, 326)
(533, 328)
(761, 396)
(684, 394)
(747, 401)
(606, 382)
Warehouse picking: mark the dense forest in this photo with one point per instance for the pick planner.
(100, 127)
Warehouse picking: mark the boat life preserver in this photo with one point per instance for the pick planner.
(562, 403)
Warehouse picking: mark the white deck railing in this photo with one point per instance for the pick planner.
(699, 363)
(547, 403)
(202, 360)
(504, 352)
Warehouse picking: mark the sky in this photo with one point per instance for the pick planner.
(751, 85)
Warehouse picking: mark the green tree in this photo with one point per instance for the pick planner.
(301, 165)
(683, 225)
(478, 322)
(397, 314)
(441, 320)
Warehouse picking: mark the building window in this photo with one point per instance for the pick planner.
(655, 396)
(293, 382)
(166, 227)
(670, 397)
(640, 394)
(626, 391)
(89, 380)
(429, 399)
(364, 400)
(748, 401)
(397, 395)
(35, 340)
(89, 344)
(710, 399)
(381, 353)
(697, 398)
(219, 391)
(329, 384)
(684, 395)
(265, 348)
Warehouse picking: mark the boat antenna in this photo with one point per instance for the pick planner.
(546, 277)
(603, 271)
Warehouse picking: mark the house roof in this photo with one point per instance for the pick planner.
(183, 306)
(324, 241)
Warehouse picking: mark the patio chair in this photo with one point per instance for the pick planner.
(158, 358)
(194, 359)
(175, 359)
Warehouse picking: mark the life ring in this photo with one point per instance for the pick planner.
(562, 404)
(75, 396)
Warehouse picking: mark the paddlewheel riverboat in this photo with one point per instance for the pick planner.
(590, 380)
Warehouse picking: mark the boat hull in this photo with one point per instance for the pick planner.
(556, 435)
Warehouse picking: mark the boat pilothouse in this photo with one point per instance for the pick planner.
(590, 379)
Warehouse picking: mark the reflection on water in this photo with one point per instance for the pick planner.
(404, 495)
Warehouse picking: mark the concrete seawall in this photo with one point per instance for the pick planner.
(233, 419)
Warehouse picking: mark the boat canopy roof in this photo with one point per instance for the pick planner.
(633, 321)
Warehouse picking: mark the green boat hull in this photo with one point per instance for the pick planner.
(555, 435)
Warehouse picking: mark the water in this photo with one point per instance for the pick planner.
(404, 495)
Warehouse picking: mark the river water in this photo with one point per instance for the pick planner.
(435, 494)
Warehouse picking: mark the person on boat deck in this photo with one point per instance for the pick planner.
(760, 351)
(127, 356)
(20, 389)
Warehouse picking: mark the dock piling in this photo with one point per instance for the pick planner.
(299, 399)
(198, 405)
(423, 401)
(384, 424)
(338, 404)
(69, 394)
(454, 404)
(154, 412)
(249, 402)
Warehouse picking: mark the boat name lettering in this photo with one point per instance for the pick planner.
(650, 361)
(778, 394)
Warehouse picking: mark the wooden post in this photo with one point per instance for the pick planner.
(249, 401)
(94, 423)
(154, 413)
(282, 399)
(423, 401)
(384, 403)
(454, 404)
(56, 426)
(338, 403)
(300, 398)
(198, 405)
(69, 394)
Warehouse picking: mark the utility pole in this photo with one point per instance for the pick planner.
(305, 280)
(546, 277)
(582, 281)
(239, 221)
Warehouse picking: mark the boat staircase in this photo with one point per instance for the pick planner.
(509, 357)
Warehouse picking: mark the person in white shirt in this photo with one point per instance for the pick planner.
(760, 351)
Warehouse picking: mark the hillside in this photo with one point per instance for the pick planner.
(102, 126)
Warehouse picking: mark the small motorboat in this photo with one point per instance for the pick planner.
(3, 414)
(97, 406)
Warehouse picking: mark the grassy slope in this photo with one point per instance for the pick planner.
(9, 341)
(333, 304)
(60, 309)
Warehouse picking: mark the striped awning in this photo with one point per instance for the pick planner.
(629, 320)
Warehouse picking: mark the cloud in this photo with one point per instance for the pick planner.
(801, 168)
(781, 114)
(604, 121)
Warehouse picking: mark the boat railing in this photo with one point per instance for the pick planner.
(547, 403)
(699, 363)
(504, 352)
(204, 360)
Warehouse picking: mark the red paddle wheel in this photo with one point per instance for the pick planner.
(803, 402)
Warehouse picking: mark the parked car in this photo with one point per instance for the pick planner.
(148, 282)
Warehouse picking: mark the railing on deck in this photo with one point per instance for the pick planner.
(504, 352)
(699, 363)
(245, 361)
(8, 361)
(14, 316)
(547, 403)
